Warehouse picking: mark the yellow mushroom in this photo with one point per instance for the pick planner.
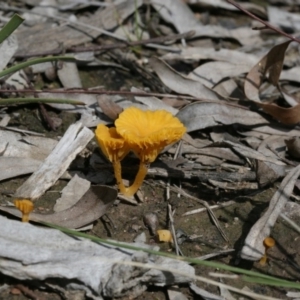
(268, 243)
(164, 235)
(114, 148)
(25, 206)
(147, 133)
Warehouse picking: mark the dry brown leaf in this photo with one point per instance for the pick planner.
(179, 83)
(293, 146)
(212, 73)
(272, 62)
(109, 107)
(287, 116)
(88, 209)
(201, 115)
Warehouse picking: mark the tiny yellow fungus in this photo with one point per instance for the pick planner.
(268, 243)
(25, 206)
(164, 235)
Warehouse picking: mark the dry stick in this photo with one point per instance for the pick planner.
(199, 210)
(124, 44)
(267, 24)
(171, 219)
(205, 204)
(211, 213)
(124, 93)
(170, 213)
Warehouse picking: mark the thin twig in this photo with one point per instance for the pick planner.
(170, 214)
(124, 93)
(199, 210)
(267, 24)
(97, 48)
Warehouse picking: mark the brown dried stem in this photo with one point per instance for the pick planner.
(267, 24)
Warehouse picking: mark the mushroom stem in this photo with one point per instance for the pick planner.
(139, 178)
(118, 176)
(25, 206)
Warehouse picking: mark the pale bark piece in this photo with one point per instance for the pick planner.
(68, 75)
(15, 166)
(253, 248)
(74, 140)
(179, 83)
(71, 193)
(13, 144)
(201, 115)
(28, 252)
(7, 49)
(211, 73)
(90, 207)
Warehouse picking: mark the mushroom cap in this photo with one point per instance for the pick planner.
(148, 132)
(24, 205)
(269, 242)
(111, 143)
(164, 235)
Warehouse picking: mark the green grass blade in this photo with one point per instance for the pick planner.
(10, 27)
(275, 282)
(270, 280)
(14, 101)
(34, 62)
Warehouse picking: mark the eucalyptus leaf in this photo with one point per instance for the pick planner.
(201, 115)
(91, 206)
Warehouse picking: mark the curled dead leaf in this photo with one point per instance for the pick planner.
(287, 116)
(92, 205)
(272, 62)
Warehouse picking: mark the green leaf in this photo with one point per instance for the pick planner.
(10, 27)
(252, 276)
(34, 62)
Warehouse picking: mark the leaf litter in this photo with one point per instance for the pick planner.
(236, 91)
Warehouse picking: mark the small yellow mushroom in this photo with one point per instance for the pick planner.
(164, 235)
(268, 243)
(25, 206)
(147, 133)
(114, 148)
